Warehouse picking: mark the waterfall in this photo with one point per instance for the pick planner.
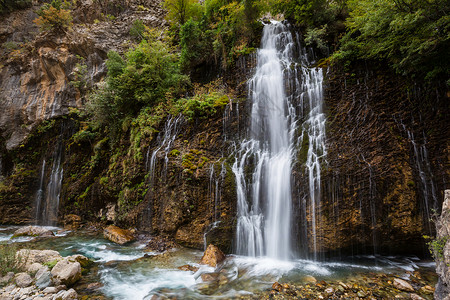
(314, 127)
(425, 183)
(428, 188)
(165, 140)
(264, 161)
(47, 201)
(40, 193)
(266, 230)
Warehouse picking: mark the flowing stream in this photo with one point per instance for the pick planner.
(132, 272)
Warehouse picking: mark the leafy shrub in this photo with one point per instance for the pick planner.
(8, 260)
(225, 30)
(148, 74)
(180, 11)
(205, 103)
(54, 16)
(412, 35)
(137, 29)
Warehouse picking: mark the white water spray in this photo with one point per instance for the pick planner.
(279, 99)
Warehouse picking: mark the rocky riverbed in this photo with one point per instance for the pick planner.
(85, 265)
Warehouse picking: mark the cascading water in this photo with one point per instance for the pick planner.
(166, 139)
(278, 101)
(47, 202)
(40, 193)
(314, 127)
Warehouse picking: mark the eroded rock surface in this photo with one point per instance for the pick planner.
(441, 249)
(118, 235)
(212, 256)
(33, 231)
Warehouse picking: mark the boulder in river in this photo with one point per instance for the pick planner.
(118, 235)
(33, 231)
(212, 256)
(66, 272)
(188, 268)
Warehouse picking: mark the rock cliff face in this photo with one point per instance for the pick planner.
(385, 169)
(387, 143)
(38, 70)
(441, 250)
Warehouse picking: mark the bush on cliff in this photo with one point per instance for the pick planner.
(54, 16)
(147, 75)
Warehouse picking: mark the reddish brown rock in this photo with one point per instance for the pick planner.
(72, 222)
(118, 235)
(212, 256)
(188, 268)
(206, 277)
(277, 287)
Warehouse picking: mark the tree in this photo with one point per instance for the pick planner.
(412, 35)
(180, 11)
(54, 16)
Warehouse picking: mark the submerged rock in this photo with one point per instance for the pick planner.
(277, 287)
(33, 231)
(212, 256)
(309, 279)
(118, 235)
(206, 277)
(160, 244)
(188, 268)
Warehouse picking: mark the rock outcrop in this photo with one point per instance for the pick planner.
(36, 78)
(212, 256)
(440, 248)
(39, 282)
(66, 272)
(118, 235)
(33, 231)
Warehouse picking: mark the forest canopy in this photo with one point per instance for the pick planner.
(412, 36)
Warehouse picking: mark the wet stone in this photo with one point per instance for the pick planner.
(403, 285)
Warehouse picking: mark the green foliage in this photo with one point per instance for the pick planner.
(80, 75)
(84, 136)
(138, 29)
(148, 75)
(226, 30)
(305, 12)
(54, 16)
(51, 264)
(8, 260)
(180, 11)
(436, 247)
(11, 5)
(316, 37)
(412, 35)
(205, 102)
(10, 46)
